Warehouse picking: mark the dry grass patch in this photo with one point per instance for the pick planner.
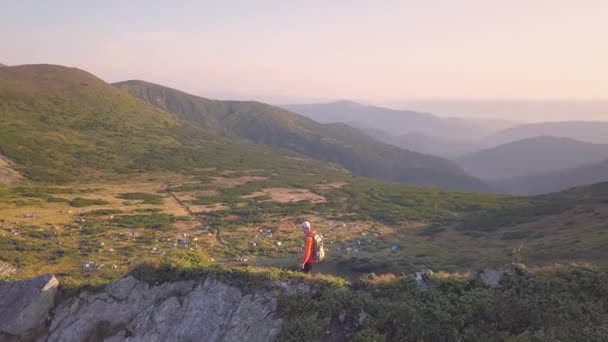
(223, 182)
(287, 195)
(40, 214)
(383, 279)
(332, 185)
(194, 195)
(184, 225)
(208, 208)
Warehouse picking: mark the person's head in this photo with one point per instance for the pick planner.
(305, 227)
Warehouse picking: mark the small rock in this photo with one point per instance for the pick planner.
(490, 277)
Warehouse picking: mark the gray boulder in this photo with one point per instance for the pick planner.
(132, 310)
(25, 304)
(491, 277)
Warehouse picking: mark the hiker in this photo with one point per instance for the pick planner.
(313, 247)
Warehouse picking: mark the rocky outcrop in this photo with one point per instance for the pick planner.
(490, 277)
(24, 305)
(133, 310)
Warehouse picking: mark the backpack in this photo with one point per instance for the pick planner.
(319, 251)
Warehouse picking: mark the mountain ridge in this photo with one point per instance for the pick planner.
(397, 122)
(587, 131)
(339, 143)
(60, 124)
(532, 155)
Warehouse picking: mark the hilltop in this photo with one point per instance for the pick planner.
(60, 124)
(174, 192)
(338, 143)
(532, 155)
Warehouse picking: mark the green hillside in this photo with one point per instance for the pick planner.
(273, 126)
(60, 124)
(143, 177)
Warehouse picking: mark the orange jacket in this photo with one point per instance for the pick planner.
(309, 254)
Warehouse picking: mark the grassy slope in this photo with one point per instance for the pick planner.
(337, 143)
(59, 124)
(447, 230)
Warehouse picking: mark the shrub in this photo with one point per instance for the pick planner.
(79, 202)
(152, 221)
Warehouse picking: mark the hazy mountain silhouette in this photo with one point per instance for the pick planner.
(396, 122)
(589, 131)
(421, 143)
(533, 155)
(555, 181)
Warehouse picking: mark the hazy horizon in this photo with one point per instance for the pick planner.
(474, 58)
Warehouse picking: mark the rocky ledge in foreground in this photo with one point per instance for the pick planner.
(217, 304)
(131, 309)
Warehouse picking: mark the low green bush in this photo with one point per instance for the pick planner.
(146, 198)
(80, 202)
(151, 221)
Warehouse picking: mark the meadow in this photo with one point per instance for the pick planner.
(92, 232)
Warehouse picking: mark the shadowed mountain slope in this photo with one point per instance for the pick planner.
(555, 181)
(421, 143)
(268, 125)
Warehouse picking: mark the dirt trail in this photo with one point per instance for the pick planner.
(218, 236)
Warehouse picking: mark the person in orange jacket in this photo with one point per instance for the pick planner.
(309, 254)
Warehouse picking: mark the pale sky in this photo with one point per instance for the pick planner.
(371, 51)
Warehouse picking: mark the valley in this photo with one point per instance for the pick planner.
(96, 181)
(303, 171)
(93, 232)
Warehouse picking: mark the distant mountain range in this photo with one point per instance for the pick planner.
(532, 155)
(588, 131)
(338, 143)
(395, 122)
(512, 158)
(62, 123)
(422, 143)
